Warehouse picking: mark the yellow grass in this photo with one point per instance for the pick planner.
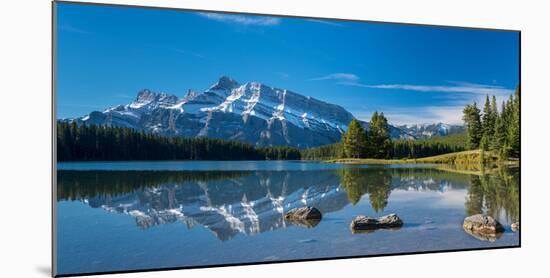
(458, 158)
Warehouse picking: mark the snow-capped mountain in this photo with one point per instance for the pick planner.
(252, 112)
(430, 130)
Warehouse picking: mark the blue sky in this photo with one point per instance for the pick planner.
(414, 74)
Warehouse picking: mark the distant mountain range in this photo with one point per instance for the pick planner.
(419, 131)
(252, 112)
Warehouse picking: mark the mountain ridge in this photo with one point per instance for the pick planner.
(251, 112)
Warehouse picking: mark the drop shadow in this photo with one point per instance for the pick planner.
(44, 270)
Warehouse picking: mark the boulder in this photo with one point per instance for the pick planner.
(515, 227)
(362, 222)
(303, 213)
(482, 225)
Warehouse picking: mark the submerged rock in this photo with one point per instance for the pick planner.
(309, 240)
(306, 223)
(362, 222)
(303, 213)
(515, 227)
(483, 227)
(484, 236)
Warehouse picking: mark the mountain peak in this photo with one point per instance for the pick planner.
(145, 94)
(148, 95)
(225, 83)
(190, 95)
(148, 98)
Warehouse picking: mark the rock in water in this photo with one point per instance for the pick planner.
(306, 223)
(303, 213)
(484, 236)
(362, 222)
(482, 225)
(515, 227)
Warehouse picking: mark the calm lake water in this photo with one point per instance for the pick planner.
(139, 215)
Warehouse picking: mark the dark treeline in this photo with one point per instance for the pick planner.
(324, 152)
(426, 147)
(397, 149)
(93, 143)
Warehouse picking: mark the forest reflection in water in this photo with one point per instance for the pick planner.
(256, 200)
(492, 192)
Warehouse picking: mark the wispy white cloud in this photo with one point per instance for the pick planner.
(326, 22)
(455, 87)
(243, 19)
(350, 79)
(446, 105)
(340, 77)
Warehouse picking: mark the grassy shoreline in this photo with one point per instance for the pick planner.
(472, 157)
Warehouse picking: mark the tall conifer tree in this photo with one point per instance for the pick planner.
(354, 141)
(472, 121)
(379, 136)
(488, 122)
(499, 139)
(514, 125)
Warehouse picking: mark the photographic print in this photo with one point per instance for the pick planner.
(188, 138)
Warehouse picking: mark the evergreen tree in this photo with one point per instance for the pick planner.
(509, 110)
(472, 121)
(354, 141)
(484, 142)
(499, 137)
(494, 109)
(514, 126)
(488, 121)
(379, 137)
(496, 131)
(503, 113)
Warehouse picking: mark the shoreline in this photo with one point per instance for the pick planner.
(469, 159)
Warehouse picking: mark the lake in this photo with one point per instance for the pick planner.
(116, 216)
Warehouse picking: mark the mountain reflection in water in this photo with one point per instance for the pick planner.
(251, 202)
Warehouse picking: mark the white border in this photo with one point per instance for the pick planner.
(25, 139)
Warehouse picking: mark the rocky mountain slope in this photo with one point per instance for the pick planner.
(252, 112)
